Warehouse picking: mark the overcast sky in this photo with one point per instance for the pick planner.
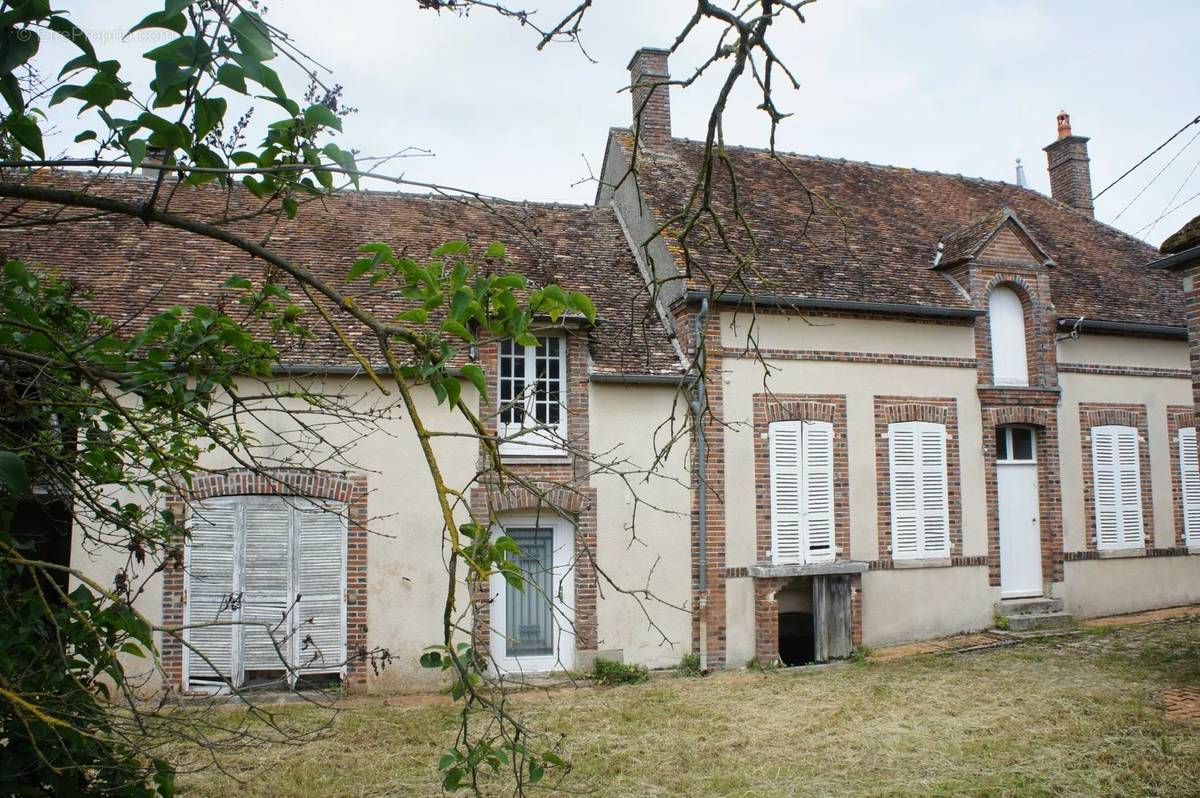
(962, 87)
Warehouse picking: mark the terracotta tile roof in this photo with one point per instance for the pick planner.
(135, 270)
(870, 234)
(1185, 237)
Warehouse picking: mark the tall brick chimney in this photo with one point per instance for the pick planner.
(1070, 174)
(651, 98)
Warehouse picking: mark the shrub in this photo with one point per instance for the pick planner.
(689, 665)
(607, 672)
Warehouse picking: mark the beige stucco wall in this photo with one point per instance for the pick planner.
(776, 331)
(1156, 394)
(739, 627)
(917, 603)
(406, 574)
(860, 383)
(1113, 350)
(643, 523)
(1130, 584)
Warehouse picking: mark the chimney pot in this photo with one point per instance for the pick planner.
(648, 76)
(1069, 167)
(1064, 124)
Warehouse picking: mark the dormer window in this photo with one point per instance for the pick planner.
(1006, 317)
(533, 396)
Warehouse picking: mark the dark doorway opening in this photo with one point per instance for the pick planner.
(797, 638)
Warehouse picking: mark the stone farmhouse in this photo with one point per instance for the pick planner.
(930, 401)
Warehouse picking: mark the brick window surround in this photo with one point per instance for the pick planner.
(1178, 417)
(800, 407)
(1032, 287)
(1044, 421)
(348, 489)
(1099, 414)
(894, 409)
(558, 484)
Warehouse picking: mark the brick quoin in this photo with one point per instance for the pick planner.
(347, 489)
(1178, 417)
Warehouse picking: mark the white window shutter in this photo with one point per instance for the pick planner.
(1189, 467)
(817, 470)
(786, 545)
(1116, 478)
(320, 582)
(1006, 321)
(920, 504)
(266, 569)
(210, 568)
(935, 510)
(903, 467)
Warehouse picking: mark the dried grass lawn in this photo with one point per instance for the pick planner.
(1061, 716)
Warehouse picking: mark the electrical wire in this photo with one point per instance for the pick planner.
(1168, 213)
(1175, 135)
(1171, 201)
(1156, 176)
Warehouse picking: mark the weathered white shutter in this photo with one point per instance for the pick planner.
(1116, 477)
(1189, 467)
(920, 506)
(817, 471)
(266, 568)
(935, 504)
(786, 543)
(320, 570)
(211, 586)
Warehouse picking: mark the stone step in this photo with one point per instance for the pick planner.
(1039, 620)
(1010, 608)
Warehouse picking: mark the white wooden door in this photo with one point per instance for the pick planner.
(1020, 534)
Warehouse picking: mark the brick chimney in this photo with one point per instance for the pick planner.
(1070, 175)
(651, 100)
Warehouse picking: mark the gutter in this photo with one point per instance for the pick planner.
(773, 300)
(1179, 260)
(1134, 328)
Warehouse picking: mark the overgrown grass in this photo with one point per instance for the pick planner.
(1065, 716)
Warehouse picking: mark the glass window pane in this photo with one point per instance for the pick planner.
(529, 614)
(1001, 443)
(1022, 443)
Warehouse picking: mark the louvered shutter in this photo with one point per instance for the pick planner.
(320, 583)
(1189, 466)
(212, 526)
(920, 506)
(786, 541)
(266, 568)
(935, 510)
(817, 507)
(1116, 478)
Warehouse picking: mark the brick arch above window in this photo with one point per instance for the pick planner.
(1122, 415)
(1183, 417)
(540, 496)
(799, 410)
(1028, 416)
(275, 482)
(914, 411)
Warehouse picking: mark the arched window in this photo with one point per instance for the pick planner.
(1007, 320)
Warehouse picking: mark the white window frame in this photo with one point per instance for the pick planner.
(529, 438)
(805, 477)
(239, 503)
(923, 550)
(1189, 486)
(1006, 326)
(563, 602)
(1010, 459)
(1128, 535)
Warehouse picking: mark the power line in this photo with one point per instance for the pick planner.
(1158, 175)
(1195, 121)
(1168, 213)
(1174, 197)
